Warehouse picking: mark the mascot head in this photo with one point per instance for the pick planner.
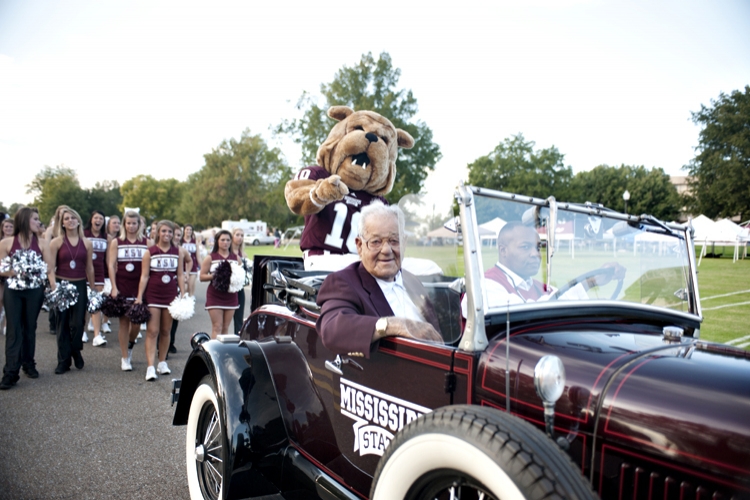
(362, 149)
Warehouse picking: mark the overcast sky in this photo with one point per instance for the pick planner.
(114, 89)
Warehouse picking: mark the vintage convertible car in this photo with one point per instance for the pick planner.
(611, 393)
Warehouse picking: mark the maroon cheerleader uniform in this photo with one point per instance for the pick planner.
(216, 299)
(99, 256)
(162, 287)
(129, 262)
(192, 249)
(34, 246)
(71, 261)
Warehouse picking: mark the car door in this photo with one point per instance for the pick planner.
(370, 400)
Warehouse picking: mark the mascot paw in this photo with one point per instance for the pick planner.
(330, 189)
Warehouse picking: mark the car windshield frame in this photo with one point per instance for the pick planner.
(537, 212)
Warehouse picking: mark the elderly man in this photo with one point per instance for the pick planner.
(375, 298)
(511, 279)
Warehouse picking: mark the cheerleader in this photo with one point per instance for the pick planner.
(187, 267)
(22, 305)
(113, 227)
(71, 259)
(6, 231)
(238, 248)
(99, 239)
(190, 244)
(220, 305)
(125, 257)
(161, 276)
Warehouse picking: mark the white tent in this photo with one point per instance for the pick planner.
(721, 233)
(489, 230)
(730, 227)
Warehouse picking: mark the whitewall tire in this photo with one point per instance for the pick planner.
(205, 444)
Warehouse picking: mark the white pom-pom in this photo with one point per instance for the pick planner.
(95, 300)
(182, 308)
(107, 287)
(30, 270)
(237, 282)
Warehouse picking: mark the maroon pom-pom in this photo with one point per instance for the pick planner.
(114, 307)
(222, 276)
(138, 313)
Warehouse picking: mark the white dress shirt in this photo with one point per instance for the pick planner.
(398, 298)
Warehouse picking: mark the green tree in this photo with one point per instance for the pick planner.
(651, 191)
(57, 186)
(106, 196)
(157, 198)
(369, 85)
(515, 166)
(720, 171)
(240, 179)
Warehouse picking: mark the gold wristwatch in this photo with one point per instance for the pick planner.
(381, 326)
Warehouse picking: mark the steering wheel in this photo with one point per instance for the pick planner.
(602, 271)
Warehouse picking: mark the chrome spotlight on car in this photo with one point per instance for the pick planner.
(199, 338)
(549, 382)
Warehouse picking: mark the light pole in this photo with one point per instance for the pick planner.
(626, 197)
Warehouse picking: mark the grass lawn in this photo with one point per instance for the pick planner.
(725, 317)
(724, 286)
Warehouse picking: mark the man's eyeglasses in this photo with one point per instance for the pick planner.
(376, 244)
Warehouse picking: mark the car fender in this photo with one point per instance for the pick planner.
(248, 407)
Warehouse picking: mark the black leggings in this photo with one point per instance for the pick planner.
(70, 325)
(21, 311)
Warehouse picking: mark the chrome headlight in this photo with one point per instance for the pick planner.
(549, 378)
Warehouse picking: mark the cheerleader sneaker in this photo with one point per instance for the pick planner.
(125, 365)
(85, 338)
(91, 326)
(106, 328)
(163, 369)
(143, 329)
(150, 373)
(99, 341)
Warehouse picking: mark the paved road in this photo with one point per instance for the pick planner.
(98, 432)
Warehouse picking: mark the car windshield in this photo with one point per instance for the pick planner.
(585, 253)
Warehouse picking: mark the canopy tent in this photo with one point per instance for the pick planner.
(722, 233)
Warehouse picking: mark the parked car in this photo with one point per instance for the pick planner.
(613, 394)
(259, 239)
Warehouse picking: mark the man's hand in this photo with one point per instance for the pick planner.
(409, 328)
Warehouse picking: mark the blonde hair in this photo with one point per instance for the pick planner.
(58, 220)
(131, 214)
(241, 248)
(159, 224)
(61, 215)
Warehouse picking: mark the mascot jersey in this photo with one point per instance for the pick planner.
(335, 226)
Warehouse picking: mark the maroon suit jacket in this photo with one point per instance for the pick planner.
(351, 303)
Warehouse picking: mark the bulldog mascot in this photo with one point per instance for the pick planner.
(356, 165)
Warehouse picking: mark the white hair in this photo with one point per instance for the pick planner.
(377, 208)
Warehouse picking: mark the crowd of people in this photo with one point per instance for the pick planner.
(118, 257)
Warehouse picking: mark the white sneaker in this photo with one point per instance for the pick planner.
(99, 341)
(163, 369)
(125, 365)
(150, 373)
(91, 326)
(85, 337)
(130, 355)
(106, 328)
(143, 329)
